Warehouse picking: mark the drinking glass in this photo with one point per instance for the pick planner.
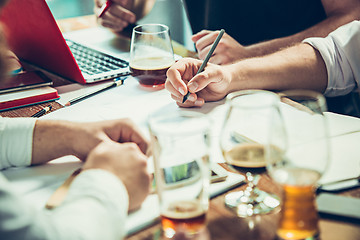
(180, 144)
(243, 137)
(151, 54)
(297, 156)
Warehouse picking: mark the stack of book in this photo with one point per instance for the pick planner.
(26, 89)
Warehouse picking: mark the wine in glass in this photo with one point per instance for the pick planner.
(243, 137)
(297, 156)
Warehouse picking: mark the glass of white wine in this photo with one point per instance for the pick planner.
(243, 137)
(297, 156)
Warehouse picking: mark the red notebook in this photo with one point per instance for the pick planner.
(27, 97)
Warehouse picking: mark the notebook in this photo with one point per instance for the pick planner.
(27, 97)
(34, 36)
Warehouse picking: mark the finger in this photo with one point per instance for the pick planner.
(172, 90)
(207, 40)
(199, 35)
(122, 13)
(111, 25)
(181, 72)
(203, 79)
(203, 53)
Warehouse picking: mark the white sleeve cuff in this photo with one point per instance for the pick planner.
(95, 208)
(16, 137)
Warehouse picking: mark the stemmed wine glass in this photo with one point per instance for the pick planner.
(297, 156)
(243, 137)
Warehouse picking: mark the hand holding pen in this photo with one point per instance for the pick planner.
(191, 82)
(115, 14)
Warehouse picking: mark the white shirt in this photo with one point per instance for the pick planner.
(341, 53)
(95, 206)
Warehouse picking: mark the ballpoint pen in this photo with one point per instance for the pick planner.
(117, 82)
(105, 7)
(221, 33)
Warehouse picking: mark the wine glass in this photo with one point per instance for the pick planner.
(242, 140)
(151, 54)
(297, 156)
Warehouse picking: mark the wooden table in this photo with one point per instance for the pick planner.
(221, 223)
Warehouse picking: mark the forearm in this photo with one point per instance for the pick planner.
(297, 67)
(321, 29)
(54, 139)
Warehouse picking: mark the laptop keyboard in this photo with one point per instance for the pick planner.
(93, 62)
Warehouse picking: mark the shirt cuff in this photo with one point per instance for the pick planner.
(16, 140)
(109, 194)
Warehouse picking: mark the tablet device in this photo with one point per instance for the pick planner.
(25, 80)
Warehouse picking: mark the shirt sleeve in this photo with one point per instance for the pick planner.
(16, 136)
(95, 208)
(340, 52)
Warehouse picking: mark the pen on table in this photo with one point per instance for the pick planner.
(117, 82)
(105, 7)
(221, 33)
(42, 111)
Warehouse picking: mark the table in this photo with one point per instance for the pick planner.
(222, 224)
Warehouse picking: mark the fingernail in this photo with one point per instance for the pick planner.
(181, 90)
(191, 98)
(193, 86)
(198, 102)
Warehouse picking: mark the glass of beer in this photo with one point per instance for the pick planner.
(180, 145)
(297, 156)
(151, 54)
(242, 140)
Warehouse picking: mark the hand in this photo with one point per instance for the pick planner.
(128, 163)
(53, 139)
(210, 85)
(227, 51)
(118, 16)
(88, 135)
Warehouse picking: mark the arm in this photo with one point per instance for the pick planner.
(300, 66)
(53, 139)
(96, 204)
(229, 50)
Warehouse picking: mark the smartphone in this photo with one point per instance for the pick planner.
(25, 80)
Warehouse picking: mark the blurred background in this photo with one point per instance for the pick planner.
(168, 12)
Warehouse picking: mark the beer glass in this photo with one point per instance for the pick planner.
(180, 144)
(151, 54)
(297, 156)
(242, 140)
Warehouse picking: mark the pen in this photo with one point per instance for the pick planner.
(117, 82)
(105, 7)
(42, 111)
(221, 33)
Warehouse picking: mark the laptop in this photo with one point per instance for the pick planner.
(34, 36)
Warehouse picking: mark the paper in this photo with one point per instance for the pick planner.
(37, 184)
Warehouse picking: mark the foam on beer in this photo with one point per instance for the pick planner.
(152, 63)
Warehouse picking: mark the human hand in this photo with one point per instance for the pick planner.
(227, 51)
(88, 135)
(118, 16)
(210, 85)
(128, 163)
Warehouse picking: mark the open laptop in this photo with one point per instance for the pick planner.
(34, 36)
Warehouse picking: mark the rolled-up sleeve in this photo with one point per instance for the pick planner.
(340, 52)
(16, 136)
